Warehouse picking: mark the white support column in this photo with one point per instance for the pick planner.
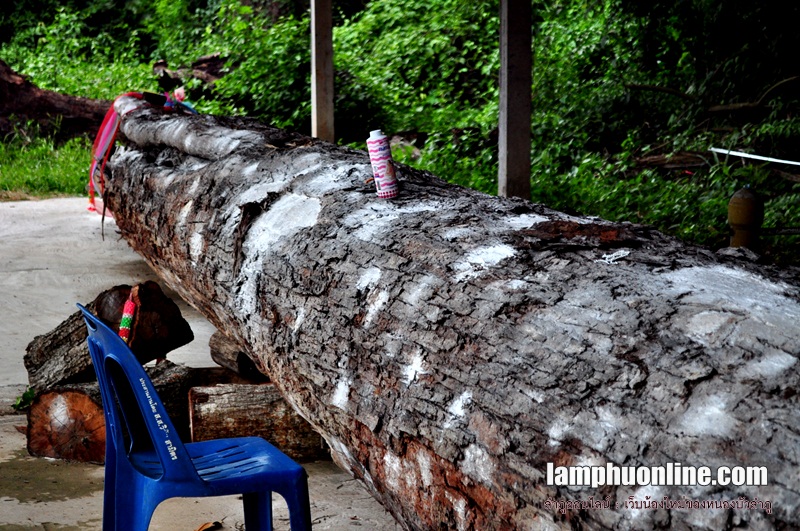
(322, 70)
(516, 61)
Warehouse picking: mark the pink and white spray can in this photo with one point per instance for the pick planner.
(380, 155)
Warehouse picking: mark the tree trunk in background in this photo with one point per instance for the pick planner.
(67, 116)
(450, 345)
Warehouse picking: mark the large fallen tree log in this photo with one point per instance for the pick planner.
(453, 347)
(66, 116)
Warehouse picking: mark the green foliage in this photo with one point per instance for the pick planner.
(24, 401)
(34, 165)
(62, 58)
(614, 80)
(271, 78)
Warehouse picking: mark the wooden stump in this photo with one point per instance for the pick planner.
(236, 410)
(67, 424)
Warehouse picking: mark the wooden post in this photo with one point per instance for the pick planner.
(321, 70)
(515, 99)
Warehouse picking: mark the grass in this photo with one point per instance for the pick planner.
(33, 166)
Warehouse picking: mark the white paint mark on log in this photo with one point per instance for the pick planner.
(480, 260)
(708, 417)
(613, 257)
(193, 188)
(478, 464)
(457, 409)
(378, 217)
(298, 322)
(393, 471)
(290, 214)
(250, 170)
(368, 278)
(410, 372)
(534, 394)
(460, 508)
(196, 246)
(424, 463)
(524, 221)
(375, 306)
(342, 393)
(59, 412)
(183, 216)
(457, 233)
(709, 328)
(768, 366)
(557, 431)
(736, 290)
(424, 289)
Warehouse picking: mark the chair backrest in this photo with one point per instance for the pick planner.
(135, 416)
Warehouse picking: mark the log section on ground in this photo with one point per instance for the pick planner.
(449, 345)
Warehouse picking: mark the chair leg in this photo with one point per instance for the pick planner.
(258, 511)
(299, 506)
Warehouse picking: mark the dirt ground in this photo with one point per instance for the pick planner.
(52, 256)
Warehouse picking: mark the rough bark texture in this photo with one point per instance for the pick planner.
(62, 357)
(237, 410)
(449, 345)
(228, 354)
(21, 100)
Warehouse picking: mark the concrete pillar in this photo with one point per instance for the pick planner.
(516, 61)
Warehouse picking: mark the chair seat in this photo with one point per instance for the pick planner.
(224, 464)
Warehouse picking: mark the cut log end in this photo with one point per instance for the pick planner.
(67, 425)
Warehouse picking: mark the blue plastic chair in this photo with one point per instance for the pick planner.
(146, 463)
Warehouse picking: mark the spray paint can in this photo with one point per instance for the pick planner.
(380, 155)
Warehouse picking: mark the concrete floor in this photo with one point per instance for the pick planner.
(52, 256)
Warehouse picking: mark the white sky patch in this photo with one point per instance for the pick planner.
(479, 260)
(524, 221)
(376, 306)
(478, 464)
(457, 410)
(342, 393)
(415, 368)
(369, 277)
(708, 417)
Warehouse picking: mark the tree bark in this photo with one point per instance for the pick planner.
(230, 355)
(237, 410)
(64, 115)
(450, 345)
